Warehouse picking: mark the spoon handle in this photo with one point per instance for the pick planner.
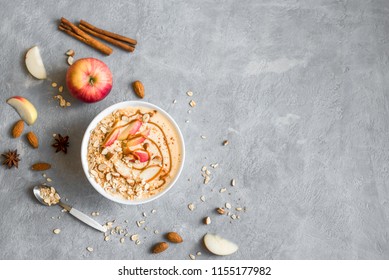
(89, 221)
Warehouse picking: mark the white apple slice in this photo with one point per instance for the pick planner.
(35, 64)
(122, 168)
(24, 108)
(150, 172)
(219, 246)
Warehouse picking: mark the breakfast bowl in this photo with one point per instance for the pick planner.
(132, 152)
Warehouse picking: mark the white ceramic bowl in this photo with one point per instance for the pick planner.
(93, 124)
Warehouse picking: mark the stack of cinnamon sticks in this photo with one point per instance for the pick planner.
(81, 31)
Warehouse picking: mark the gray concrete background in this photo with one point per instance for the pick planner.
(299, 88)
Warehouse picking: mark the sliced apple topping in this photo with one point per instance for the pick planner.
(35, 64)
(142, 156)
(24, 108)
(130, 129)
(150, 172)
(122, 168)
(139, 139)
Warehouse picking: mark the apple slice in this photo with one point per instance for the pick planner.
(138, 139)
(219, 246)
(131, 129)
(150, 172)
(35, 64)
(142, 156)
(24, 108)
(122, 168)
(114, 134)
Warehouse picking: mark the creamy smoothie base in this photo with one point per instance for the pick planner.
(134, 153)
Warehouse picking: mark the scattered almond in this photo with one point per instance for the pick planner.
(18, 129)
(33, 139)
(221, 211)
(174, 237)
(160, 247)
(138, 88)
(40, 166)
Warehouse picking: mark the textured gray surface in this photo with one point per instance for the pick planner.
(299, 88)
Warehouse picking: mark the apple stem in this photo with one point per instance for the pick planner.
(91, 81)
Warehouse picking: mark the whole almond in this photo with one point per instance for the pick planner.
(33, 139)
(18, 129)
(40, 166)
(174, 237)
(138, 88)
(160, 247)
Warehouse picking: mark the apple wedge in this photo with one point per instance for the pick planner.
(150, 172)
(219, 246)
(138, 139)
(114, 134)
(122, 168)
(35, 64)
(130, 129)
(142, 156)
(24, 108)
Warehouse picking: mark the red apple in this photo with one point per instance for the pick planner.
(89, 80)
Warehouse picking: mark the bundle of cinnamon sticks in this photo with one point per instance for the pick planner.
(81, 31)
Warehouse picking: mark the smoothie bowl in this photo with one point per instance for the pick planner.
(132, 152)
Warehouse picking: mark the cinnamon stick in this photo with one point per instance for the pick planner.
(72, 30)
(108, 33)
(111, 40)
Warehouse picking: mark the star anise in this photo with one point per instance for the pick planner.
(11, 158)
(61, 143)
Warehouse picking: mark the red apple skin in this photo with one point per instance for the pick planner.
(89, 80)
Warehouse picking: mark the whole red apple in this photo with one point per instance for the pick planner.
(89, 80)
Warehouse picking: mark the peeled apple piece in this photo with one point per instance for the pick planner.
(218, 245)
(35, 64)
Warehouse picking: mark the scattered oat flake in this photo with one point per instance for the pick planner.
(174, 101)
(107, 238)
(54, 84)
(207, 220)
(90, 249)
(144, 214)
(206, 180)
(134, 237)
(233, 182)
(70, 60)
(198, 253)
(191, 206)
(214, 165)
(225, 142)
(122, 240)
(153, 211)
(202, 198)
(192, 103)
(137, 242)
(57, 231)
(222, 190)
(49, 180)
(228, 205)
(60, 89)
(187, 121)
(203, 137)
(203, 168)
(233, 216)
(189, 93)
(156, 231)
(193, 257)
(238, 209)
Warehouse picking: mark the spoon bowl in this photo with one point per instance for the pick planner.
(37, 193)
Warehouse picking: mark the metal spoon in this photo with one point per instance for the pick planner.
(79, 215)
